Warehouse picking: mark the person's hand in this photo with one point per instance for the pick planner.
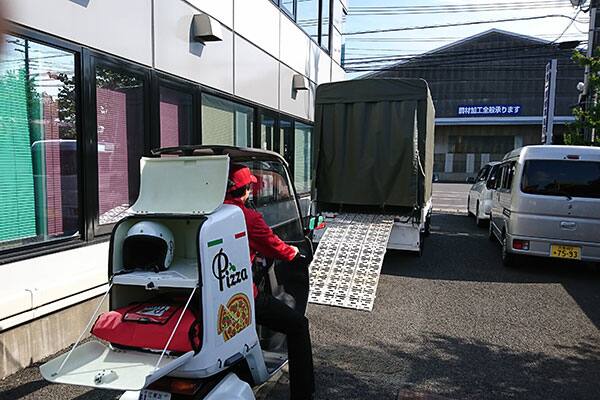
(296, 251)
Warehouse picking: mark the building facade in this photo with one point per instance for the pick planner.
(488, 91)
(87, 87)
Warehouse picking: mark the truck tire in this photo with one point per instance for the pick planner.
(428, 225)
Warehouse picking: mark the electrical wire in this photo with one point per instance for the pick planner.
(412, 28)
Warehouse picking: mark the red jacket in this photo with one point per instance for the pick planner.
(261, 238)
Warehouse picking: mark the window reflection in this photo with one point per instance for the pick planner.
(38, 143)
(225, 122)
(175, 117)
(302, 157)
(120, 132)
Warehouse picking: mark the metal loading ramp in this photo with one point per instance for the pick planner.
(346, 266)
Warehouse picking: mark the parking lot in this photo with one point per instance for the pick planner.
(453, 323)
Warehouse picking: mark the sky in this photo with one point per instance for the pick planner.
(387, 44)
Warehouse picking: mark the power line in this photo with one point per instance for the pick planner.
(412, 28)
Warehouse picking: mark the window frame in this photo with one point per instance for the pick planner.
(161, 79)
(58, 244)
(93, 60)
(85, 62)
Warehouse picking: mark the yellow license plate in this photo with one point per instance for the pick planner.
(570, 252)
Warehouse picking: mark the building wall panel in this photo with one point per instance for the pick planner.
(258, 22)
(256, 74)
(86, 22)
(295, 47)
(210, 64)
(222, 10)
(299, 102)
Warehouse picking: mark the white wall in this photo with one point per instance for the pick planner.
(298, 102)
(221, 10)
(210, 64)
(256, 74)
(117, 27)
(258, 22)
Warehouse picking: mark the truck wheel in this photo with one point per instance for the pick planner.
(478, 220)
(508, 259)
(427, 225)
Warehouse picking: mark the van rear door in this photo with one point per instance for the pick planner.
(561, 200)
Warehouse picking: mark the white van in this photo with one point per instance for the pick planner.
(479, 202)
(546, 202)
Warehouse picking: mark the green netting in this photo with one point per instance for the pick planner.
(17, 201)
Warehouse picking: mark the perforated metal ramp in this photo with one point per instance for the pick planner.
(346, 267)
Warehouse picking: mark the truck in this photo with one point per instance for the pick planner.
(372, 183)
(373, 146)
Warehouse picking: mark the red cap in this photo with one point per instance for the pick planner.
(239, 176)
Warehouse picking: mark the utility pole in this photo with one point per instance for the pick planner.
(593, 41)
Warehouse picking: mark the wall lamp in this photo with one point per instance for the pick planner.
(299, 82)
(206, 29)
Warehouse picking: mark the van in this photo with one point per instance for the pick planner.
(479, 202)
(546, 202)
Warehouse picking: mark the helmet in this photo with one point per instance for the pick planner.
(148, 245)
(239, 176)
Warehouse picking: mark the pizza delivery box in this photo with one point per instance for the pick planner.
(181, 295)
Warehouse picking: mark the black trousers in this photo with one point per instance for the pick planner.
(277, 316)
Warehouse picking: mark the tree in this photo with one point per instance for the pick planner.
(590, 117)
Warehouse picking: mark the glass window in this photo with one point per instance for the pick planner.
(308, 17)
(39, 197)
(274, 199)
(120, 130)
(288, 7)
(225, 122)
(439, 162)
(482, 175)
(175, 117)
(286, 137)
(269, 139)
(562, 178)
(302, 157)
(324, 39)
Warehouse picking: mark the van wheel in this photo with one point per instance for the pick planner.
(469, 213)
(508, 259)
(478, 220)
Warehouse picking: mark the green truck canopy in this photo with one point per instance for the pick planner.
(373, 143)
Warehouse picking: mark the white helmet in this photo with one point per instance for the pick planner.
(148, 245)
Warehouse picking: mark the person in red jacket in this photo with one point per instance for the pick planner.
(271, 312)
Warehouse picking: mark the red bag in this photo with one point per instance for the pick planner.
(149, 326)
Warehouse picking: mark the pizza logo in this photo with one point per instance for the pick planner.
(234, 317)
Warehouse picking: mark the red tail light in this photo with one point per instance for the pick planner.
(520, 244)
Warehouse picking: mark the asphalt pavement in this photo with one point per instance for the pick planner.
(452, 324)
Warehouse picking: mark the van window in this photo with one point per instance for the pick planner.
(274, 198)
(482, 175)
(509, 173)
(562, 178)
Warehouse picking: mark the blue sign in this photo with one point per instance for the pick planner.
(468, 111)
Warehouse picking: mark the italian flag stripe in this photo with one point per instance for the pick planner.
(215, 242)
(240, 235)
